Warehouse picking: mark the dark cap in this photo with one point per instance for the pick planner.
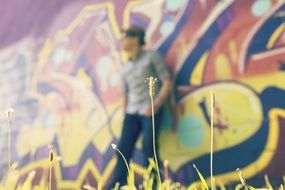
(135, 31)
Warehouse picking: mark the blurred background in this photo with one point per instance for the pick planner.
(60, 65)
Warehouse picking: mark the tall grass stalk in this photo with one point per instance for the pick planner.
(267, 182)
(212, 137)
(27, 185)
(242, 180)
(9, 113)
(166, 183)
(201, 177)
(51, 158)
(152, 82)
(147, 177)
(165, 164)
(99, 186)
(9, 144)
(115, 147)
(88, 187)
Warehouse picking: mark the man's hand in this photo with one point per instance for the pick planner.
(160, 98)
(148, 111)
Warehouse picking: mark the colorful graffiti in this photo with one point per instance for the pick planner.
(62, 77)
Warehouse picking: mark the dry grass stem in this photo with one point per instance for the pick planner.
(151, 82)
(212, 137)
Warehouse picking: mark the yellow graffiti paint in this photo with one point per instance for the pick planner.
(81, 74)
(240, 110)
(261, 82)
(233, 51)
(198, 73)
(127, 11)
(266, 156)
(50, 43)
(222, 67)
(88, 167)
(71, 148)
(275, 35)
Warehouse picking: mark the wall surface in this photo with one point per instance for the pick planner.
(60, 67)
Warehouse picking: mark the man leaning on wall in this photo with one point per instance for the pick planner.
(141, 64)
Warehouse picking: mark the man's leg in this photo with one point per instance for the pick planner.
(147, 146)
(129, 136)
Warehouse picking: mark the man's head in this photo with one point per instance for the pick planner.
(133, 37)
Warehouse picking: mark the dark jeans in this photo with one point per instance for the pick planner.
(133, 125)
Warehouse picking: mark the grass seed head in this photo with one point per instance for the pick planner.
(151, 84)
(114, 146)
(9, 112)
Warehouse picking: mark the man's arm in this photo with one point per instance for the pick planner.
(125, 102)
(163, 93)
(161, 70)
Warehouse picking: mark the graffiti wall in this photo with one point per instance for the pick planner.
(60, 65)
